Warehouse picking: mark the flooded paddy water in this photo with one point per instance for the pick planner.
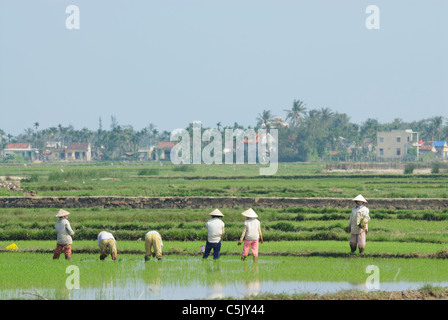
(178, 278)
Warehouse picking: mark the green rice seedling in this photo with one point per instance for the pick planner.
(26, 271)
(149, 172)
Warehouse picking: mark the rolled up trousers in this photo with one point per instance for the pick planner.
(250, 244)
(216, 249)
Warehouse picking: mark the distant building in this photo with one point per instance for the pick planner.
(145, 154)
(394, 145)
(163, 150)
(23, 149)
(441, 148)
(425, 149)
(78, 151)
(277, 122)
(74, 151)
(55, 154)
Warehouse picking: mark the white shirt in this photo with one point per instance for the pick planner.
(105, 235)
(153, 231)
(214, 230)
(252, 226)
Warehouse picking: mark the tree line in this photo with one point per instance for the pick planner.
(303, 135)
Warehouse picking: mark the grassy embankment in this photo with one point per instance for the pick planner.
(312, 236)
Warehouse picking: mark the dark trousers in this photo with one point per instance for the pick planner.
(216, 249)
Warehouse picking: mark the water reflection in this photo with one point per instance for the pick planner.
(215, 279)
(252, 286)
(215, 290)
(135, 289)
(192, 278)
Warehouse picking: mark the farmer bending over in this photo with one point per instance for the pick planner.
(153, 245)
(107, 244)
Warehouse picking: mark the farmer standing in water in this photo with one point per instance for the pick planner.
(64, 235)
(358, 227)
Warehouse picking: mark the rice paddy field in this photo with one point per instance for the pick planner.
(291, 180)
(305, 251)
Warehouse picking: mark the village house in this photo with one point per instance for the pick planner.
(74, 151)
(277, 122)
(394, 145)
(23, 149)
(145, 154)
(78, 151)
(163, 150)
(440, 147)
(56, 154)
(426, 148)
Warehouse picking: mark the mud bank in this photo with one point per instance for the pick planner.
(216, 202)
(429, 293)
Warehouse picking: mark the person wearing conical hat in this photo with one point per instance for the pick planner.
(64, 235)
(358, 225)
(108, 245)
(215, 231)
(251, 234)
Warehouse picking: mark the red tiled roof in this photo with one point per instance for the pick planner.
(18, 146)
(256, 138)
(426, 147)
(166, 144)
(78, 146)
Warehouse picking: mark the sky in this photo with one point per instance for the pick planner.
(172, 62)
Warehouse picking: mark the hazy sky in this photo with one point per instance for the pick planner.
(171, 62)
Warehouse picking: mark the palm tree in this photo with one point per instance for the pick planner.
(154, 134)
(445, 130)
(396, 124)
(62, 134)
(325, 115)
(436, 126)
(28, 134)
(296, 113)
(264, 118)
(36, 126)
(2, 140)
(369, 129)
(312, 119)
(166, 135)
(219, 125)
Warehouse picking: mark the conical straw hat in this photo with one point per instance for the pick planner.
(359, 198)
(249, 213)
(62, 213)
(216, 212)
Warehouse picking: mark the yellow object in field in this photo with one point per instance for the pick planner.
(12, 247)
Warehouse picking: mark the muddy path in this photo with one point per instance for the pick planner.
(429, 293)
